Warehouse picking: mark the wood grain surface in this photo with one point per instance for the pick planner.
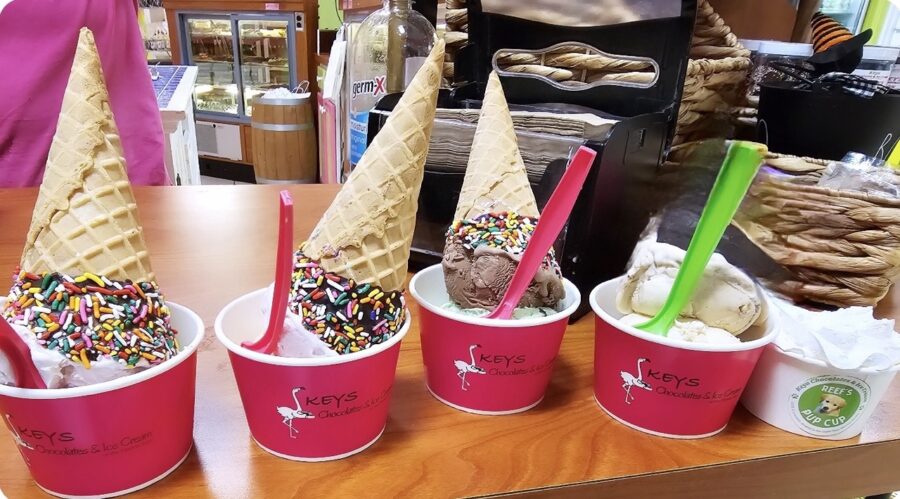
(211, 244)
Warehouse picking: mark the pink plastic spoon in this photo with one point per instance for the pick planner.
(549, 225)
(11, 344)
(283, 266)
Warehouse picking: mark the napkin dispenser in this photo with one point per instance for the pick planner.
(614, 205)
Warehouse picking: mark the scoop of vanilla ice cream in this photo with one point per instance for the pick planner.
(58, 371)
(689, 330)
(296, 341)
(725, 299)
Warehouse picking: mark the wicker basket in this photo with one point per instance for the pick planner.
(457, 34)
(716, 78)
(569, 65)
(842, 247)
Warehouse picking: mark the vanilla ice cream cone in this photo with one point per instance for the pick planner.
(85, 218)
(367, 231)
(496, 180)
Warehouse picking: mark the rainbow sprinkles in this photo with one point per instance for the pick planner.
(506, 231)
(88, 317)
(348, 316)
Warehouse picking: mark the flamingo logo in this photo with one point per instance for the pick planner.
(631, 381)
(289, 415)
(462, 368)
(18, 438)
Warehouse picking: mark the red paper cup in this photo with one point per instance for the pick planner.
(110, 438)
(664, 387)
(308, 409)
(486, 366)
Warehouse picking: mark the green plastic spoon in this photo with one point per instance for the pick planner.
(737, 172)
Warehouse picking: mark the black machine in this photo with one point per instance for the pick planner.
(615, 204)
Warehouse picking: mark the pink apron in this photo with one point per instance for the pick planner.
(37, 44)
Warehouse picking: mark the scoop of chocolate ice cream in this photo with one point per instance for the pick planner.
(482, 254)
(478, 278)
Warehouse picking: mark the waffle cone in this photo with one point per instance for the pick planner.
(85, 218)
(367, 231)
(496, 179)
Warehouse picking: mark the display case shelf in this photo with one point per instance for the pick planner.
(212, 61)
(279, 67)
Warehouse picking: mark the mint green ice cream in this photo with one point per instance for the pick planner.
(519, 313)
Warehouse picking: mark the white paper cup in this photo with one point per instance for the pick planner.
(809, 398)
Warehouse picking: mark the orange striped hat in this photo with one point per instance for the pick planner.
(826, 32)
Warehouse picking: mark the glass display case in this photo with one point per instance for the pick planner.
(850, 13)
(238, 56)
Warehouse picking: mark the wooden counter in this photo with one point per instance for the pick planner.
(212, 244)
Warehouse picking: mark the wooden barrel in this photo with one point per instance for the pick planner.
(283, 140)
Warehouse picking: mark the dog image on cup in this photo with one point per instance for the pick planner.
(830, 405)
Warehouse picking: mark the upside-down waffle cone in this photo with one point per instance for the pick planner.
(367, 231)
(496, 179)
(85, 218)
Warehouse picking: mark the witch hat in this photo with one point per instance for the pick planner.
(836, 49)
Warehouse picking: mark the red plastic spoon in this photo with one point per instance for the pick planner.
(283, 267)
(19, 355)
(552, 220)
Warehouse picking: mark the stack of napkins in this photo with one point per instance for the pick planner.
(542, 137)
